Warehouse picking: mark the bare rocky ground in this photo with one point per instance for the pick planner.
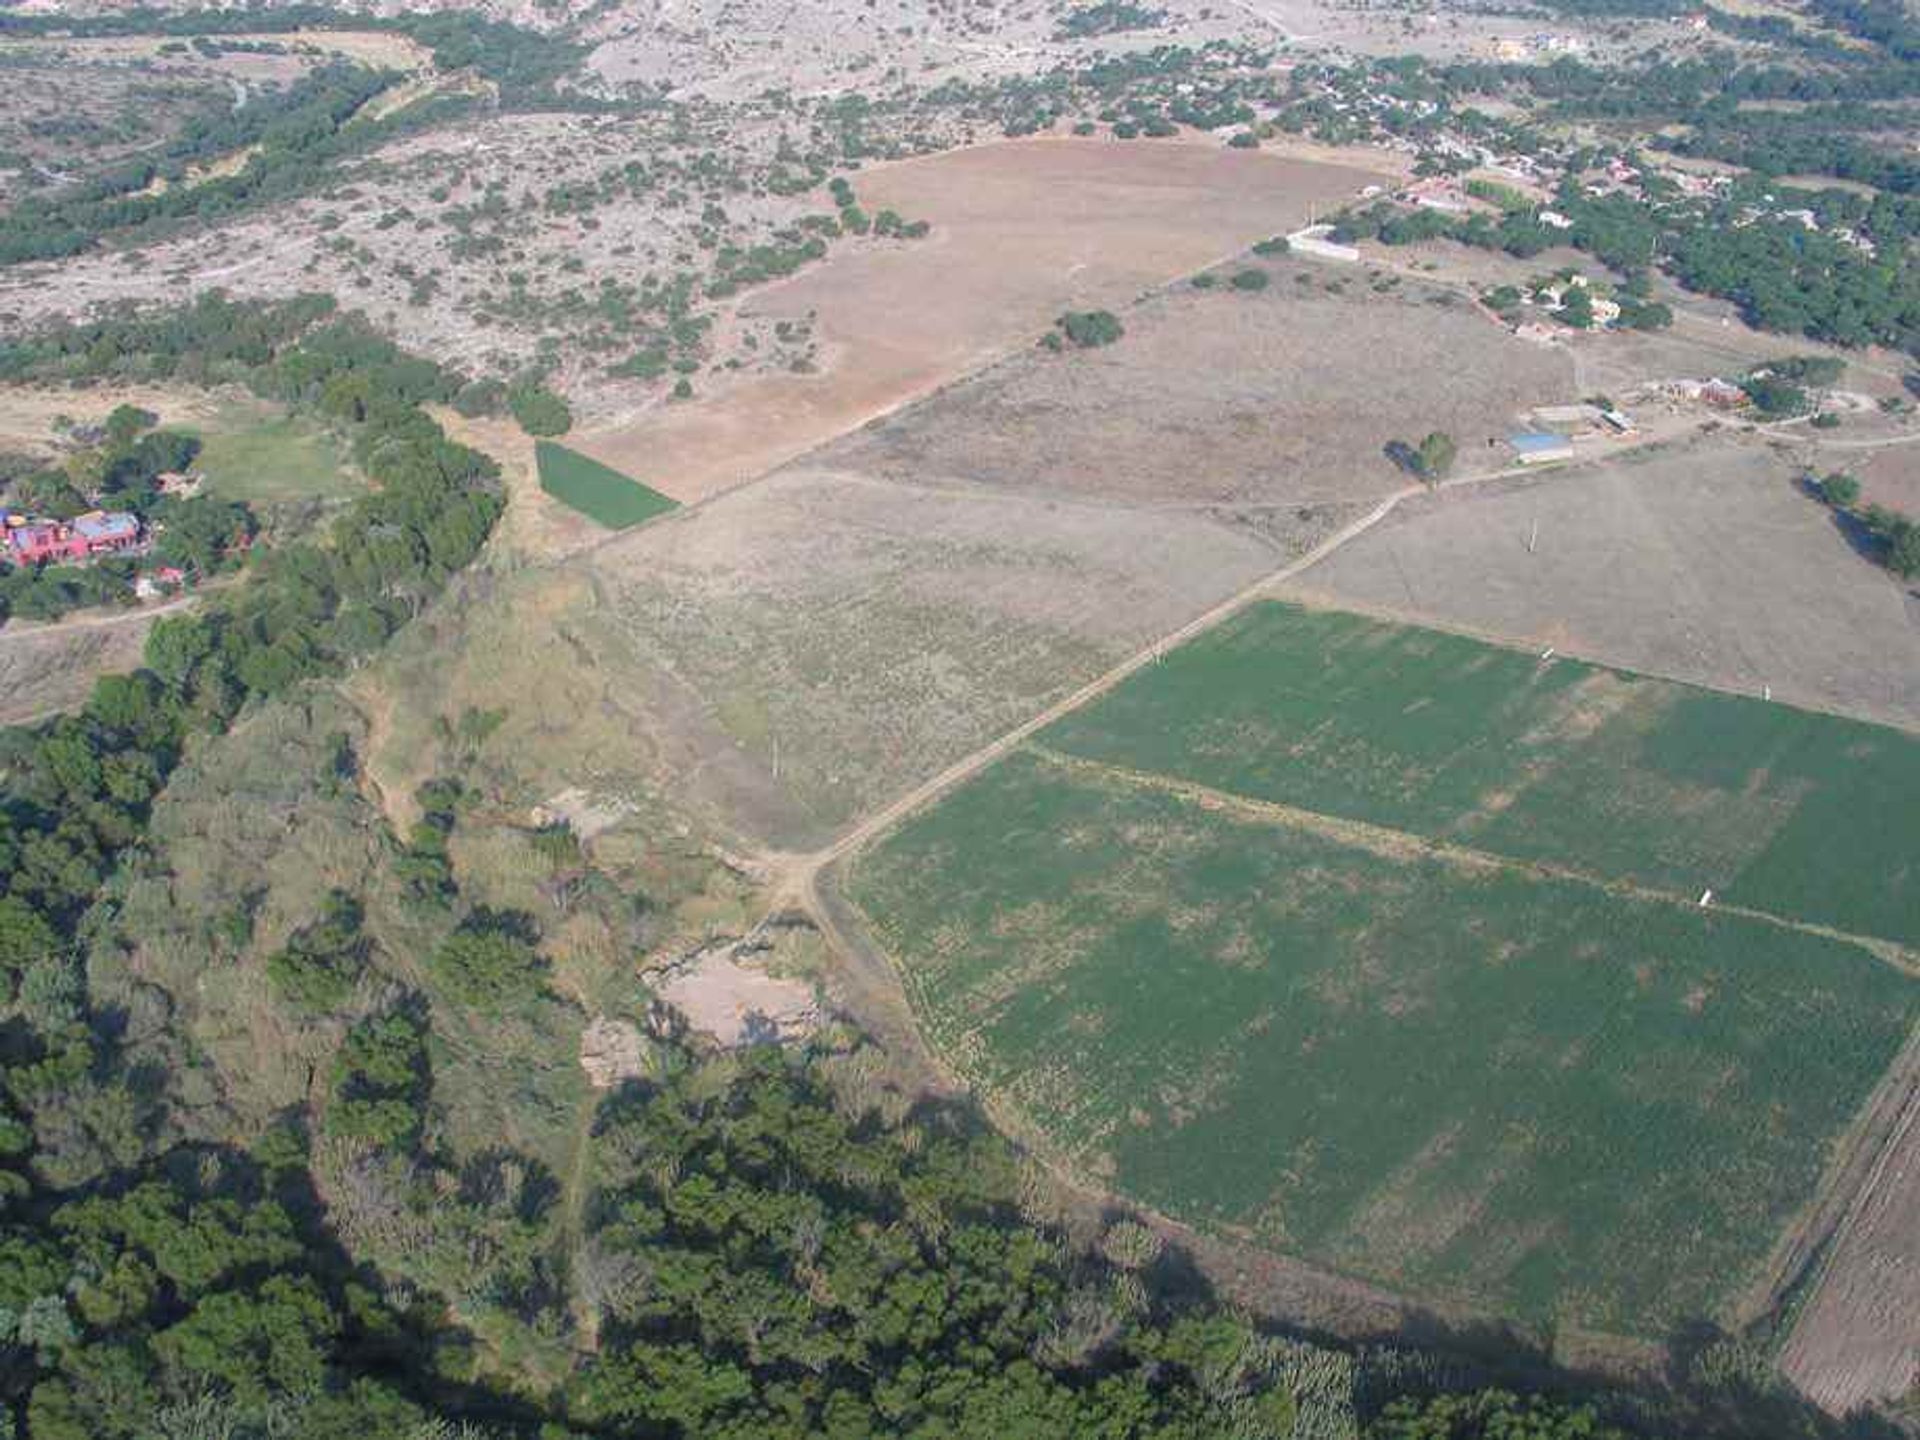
(1706, 563)
(512, 240)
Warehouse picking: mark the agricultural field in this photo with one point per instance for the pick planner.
(1706, 562)
(1383, 947)
(1618, 778)
(779, 660)
(1235, 397)
(595, 490)
(1021, 230)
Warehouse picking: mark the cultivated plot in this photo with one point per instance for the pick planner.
(849, 637)
(1458, 1077)
(1021, 231)
(1625, 779)
(1707, 563)
(1234, 397)
(595, 490)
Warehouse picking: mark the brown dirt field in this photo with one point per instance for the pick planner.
(1278, 397)
(1022, 230)
(52, 668)
(1857, 1341)
(1701, 562)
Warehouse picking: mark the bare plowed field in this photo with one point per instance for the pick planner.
(1021, 231)
(1287, 395)
(1858, 1339)
(1707, 564)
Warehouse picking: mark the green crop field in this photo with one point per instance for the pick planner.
(1385, 947)
(249, 453)
(1467, 1079)
(596, 491)
(1612, 775)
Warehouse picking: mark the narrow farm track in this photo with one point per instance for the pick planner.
(1403, 845)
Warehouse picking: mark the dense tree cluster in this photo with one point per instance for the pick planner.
(770, 1265)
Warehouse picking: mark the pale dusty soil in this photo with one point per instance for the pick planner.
(738, 1003)
(1705, 563)
(1889, 476)
(535, 526)
(1277, 398)
(371, 47)
(1858, 1338)
(43, 671)
(27, 413)
(1022, 231)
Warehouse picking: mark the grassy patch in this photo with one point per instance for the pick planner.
(252, 454)
(1467, 1081)
(1618, 776)
(596, 491)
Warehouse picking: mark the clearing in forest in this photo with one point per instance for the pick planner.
(596, 490)
(1383, 948)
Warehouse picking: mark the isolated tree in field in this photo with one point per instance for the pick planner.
(1433, 457)
(1090, 328)
(1840, 490)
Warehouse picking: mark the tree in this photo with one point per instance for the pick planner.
(1089, 328)
(1576, 307)
(490, 961)
(1433, 457)
(1839, 490)
(322, 962)
(539, 410)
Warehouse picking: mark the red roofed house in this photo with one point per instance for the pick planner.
(98, 532)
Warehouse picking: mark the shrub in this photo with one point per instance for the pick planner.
(1090, 328)
(539, 410)
(1250, 280)
(1839, 489)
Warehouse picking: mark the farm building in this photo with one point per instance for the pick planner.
(1538, 447)
(98, 532)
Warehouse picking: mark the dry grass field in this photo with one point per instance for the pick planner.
(1705, 563)
(1022, 230)
(784, 659)
(1225, 397)
(50, 668)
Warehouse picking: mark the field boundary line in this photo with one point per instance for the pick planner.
(970, 765)
(1805, 1251)
(1308, 597)
(1385, 841)
(1825, 1244)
